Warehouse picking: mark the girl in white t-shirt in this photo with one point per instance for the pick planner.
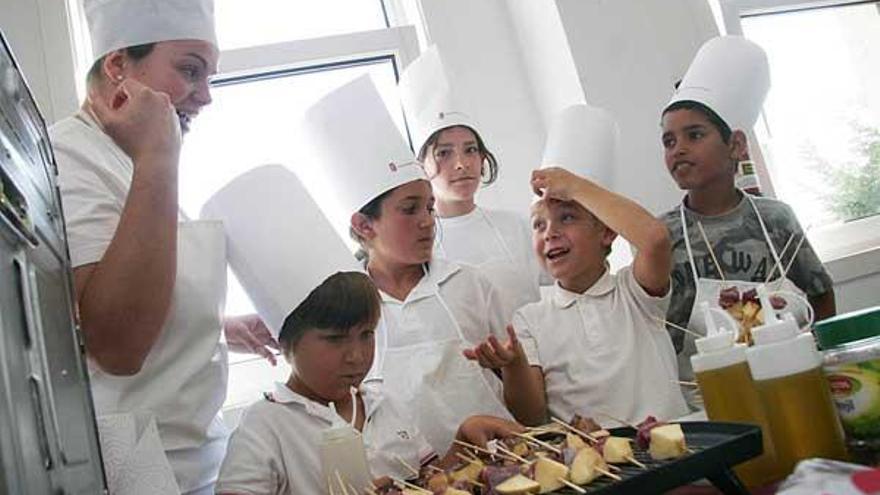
(495, 241)
(328, 339)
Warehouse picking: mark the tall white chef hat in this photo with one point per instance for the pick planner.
(428, 100)
(359, 153)
(278, 242)
(583, 139)
(730, 75)
(115, 24)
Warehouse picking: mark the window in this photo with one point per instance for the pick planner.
(820, 131)
(278, 58)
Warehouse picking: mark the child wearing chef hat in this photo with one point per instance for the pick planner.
(593, 343)
(448, 141)
(432, 308)
(718, 232)
(326, 311)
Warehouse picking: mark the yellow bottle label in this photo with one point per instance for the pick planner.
(855, 388)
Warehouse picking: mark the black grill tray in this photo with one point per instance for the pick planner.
(715, 446)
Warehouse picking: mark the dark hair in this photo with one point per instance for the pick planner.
(136, 52)
(489, 170)
(342, 301)
(371, 210)
(710, 114)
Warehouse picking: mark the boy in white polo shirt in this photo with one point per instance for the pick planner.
(593, 344)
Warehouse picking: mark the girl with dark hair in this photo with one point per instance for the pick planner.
(432, 309)
(448, 142)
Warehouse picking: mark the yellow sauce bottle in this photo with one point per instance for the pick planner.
(729, 394)
(786, 367)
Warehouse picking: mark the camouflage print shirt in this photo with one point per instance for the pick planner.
(742, 252)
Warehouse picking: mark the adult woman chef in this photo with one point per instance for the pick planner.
(150, 290)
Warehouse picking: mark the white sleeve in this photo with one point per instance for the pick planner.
(91, 209)
(652, 305)
(526, 338)
(252, 460)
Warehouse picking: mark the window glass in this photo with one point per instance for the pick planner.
(290, 20)
(822, 115)
(253, 122)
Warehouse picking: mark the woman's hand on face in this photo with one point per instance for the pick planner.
(249, 335)
(478, 430)
(555, 183)
(492, 354)
(141, 121)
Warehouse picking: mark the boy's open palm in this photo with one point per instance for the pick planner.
(493, 354)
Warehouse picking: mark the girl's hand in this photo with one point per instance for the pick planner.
(139, 120)
(492, 354)
(478, 430)
(555, 183)
(249, 335)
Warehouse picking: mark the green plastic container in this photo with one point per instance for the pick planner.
(851, 361)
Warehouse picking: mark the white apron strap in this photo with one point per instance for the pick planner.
(773, 252)
(687, 242)
(498, 236)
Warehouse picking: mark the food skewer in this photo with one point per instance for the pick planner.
(407, 484)
(711, 251)
(515, 457)
(575, 430)
(405, 464)
(781, 255)
(571, 485)
(790, 261)
(342, 484)
(679, 327)
(478, 449)
(537, 442)
(608, 473)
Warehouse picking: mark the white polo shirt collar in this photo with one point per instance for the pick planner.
(371, 395)
(564, 298)
(439, 271)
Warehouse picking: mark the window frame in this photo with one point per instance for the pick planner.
(398, 44)
(832, 243)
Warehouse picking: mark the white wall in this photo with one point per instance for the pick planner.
(523, 60)
(628, 55)
(477, 41)
(37, 31)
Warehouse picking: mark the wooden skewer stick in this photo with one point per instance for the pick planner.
(571, 485)
(371, 490)
(438, 470)
(633, 460)
(537, 442)
(686, 384)
(511, 454)
(478, 449)
(711, 251)
(778, 265)
(405, 464)
(353, 489)
(790, 261)
(330, 486)
(679, 327)
(412, 486)
(465, 458)
(609, 474)
(575, 430)
(342, 484)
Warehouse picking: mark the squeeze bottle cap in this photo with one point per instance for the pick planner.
(717, 338)
(773, 329)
